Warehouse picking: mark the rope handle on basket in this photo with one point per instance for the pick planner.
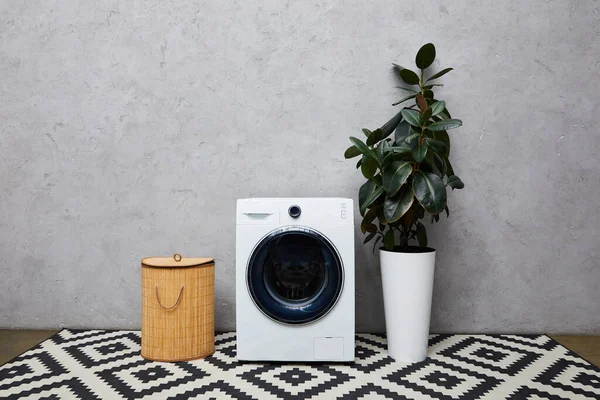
(174, 305)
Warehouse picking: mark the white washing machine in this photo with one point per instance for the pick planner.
(295, 279)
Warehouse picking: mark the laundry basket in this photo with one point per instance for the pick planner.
(178, 308)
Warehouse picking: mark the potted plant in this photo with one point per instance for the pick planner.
(407, 175)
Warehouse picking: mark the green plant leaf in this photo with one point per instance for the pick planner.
(369, 237)
(382, 220)
(363, 148)
(447, 211)
(374, 137)
(388, 127)
(449, 169)
(360, 162)
(429, 191)
(445, 125)
(428, 94)
(421, 102)
(439, 74)
(400, 149)
(370, 216)
(425, 56)
(407, 89)
(368, 228)
(409, 77)
(421, 234)
(419, 150)
(375, 244)
(387, 159)
(369, 168)
(352, 152)
(442, 116)
(410, 138)
(436, 145)
(428, 164)
(432, 85)
(377, 180)
(367, 194)
(381, 150)
(412, 117)
(395, 153)
(402, 100)
(395, 175)
(455, 183)
(395, 208)
(437, 107)
(425, 116)
(441, 165)
(388, 240)
(402, 131)
(366, 132)
(442, 136)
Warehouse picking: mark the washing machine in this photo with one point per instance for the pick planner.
(295, 279)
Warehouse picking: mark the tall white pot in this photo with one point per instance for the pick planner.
(407, 290)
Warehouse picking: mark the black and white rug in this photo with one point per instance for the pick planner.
(107, 365)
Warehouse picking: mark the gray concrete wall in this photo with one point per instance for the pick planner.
(128, 129)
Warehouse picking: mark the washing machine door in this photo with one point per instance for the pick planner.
(295, 275)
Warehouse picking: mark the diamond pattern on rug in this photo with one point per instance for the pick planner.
(494, 353)
(142, 378)
(532, 393)
(29, 369)
(103, 350)
(572, 377)
(224, 355)
(372, 392)
(96, 364)
(66, 389)
(317, 379)
(441, 380)
(371, 354)
(295, 377)
(76, 335)
(218, 390)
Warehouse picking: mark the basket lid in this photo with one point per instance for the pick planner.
(176, 261)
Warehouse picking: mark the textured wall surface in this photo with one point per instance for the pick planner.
(129, 129)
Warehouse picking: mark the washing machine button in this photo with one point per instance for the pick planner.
(294, 211)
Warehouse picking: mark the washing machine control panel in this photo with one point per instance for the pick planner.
(295, 211)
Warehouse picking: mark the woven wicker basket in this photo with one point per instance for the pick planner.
(178, 308)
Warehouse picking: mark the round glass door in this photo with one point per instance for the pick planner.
(295, 275)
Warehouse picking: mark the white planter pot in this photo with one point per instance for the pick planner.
(407, 289)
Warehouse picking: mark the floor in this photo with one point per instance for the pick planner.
(587, 347)
(15, 342)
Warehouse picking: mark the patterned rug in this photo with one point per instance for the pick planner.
(107, 365)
